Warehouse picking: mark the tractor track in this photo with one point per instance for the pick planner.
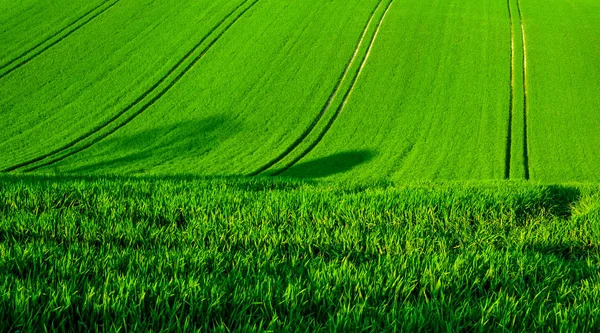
(514, 116)
(525, 109)
(318, 118)
(330, 100)
(345, 100)
(512, 92)
(46, 44)
(55, 155)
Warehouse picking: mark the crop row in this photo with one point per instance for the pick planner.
(255, 254)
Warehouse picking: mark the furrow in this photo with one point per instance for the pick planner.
(143, 102)
(517, 151)
(56, 38)
(344, 101)
(341, 85)
(512, 91)
(525, 110)
(327, 105)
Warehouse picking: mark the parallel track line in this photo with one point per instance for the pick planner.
(329, 102)
(332, 96)
(40, 48)
(525, 108)
(138, 101)
(345, 100)
(512, 92)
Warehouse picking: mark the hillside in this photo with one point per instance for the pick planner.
(339, 90)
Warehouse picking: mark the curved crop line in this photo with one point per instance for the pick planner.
(512, 91)
(525, 109)
(332, 96)
(345, 100)
(38, 49)
(139, 99)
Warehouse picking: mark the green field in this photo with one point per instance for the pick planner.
(308, 164)
(361, 90)
(242, 254)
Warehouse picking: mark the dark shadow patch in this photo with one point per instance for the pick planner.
(269, 184)
(561, 200)
(567, 251)
(159, 145)
(330, 165)
(543, 200)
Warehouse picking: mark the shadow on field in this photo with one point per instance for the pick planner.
(330, 165)
(158, 145)
(567, 251)
(561, 200)
(544, 200)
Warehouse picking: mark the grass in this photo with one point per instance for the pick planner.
(238, 87)
(54, 98)
(403, 131)
(212, 121)
(274, 254)
(254, 94)
(562, 50)
(432, 101)
(25, 24)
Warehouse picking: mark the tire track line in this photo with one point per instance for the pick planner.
(63, 33)
(512, 92)
(104, 129)
(345, 100)
(318, 118)
(329, 102)
(525, 108)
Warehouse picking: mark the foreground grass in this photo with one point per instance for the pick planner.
(243, 254)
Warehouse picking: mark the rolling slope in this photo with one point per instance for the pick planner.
(254, 92)
(340, 90)
(432, 101)
(99, 71)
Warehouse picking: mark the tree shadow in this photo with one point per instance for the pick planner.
(157, 145)
(329, 165)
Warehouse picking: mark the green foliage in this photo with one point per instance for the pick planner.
(373, 93)
(273, 254)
